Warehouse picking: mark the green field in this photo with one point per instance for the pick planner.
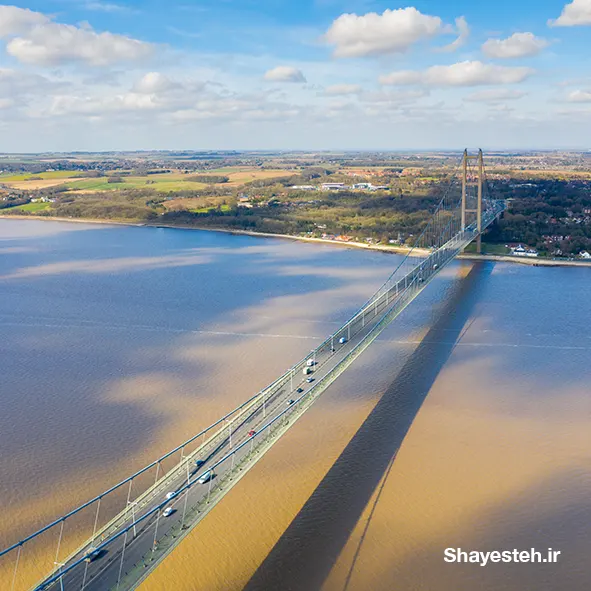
(164, 184)
(223, 207)
(488, 248)
(56, 174)
(32, 207)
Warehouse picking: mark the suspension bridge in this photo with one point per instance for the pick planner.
(115, 540)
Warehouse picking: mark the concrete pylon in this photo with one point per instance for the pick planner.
(467, 181)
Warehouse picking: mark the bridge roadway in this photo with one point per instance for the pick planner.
(140, 537)
(105, 571)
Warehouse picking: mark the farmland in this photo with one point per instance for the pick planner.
(168, 182)
(378, 198)
(32, 207)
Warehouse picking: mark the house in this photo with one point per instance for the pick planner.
(521, 251)
(333, 186)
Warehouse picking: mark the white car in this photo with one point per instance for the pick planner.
(209, 475)
(170, 495)
(342, 340)
(167, 512)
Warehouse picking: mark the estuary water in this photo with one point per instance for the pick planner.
(467, 424)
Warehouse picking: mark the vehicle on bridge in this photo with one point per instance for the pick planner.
(342, 340)
(209, 475)
(168, 512)
(92, 554)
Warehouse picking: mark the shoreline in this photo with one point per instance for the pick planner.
(420, 253)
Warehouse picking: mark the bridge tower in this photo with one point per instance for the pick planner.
(468, 181)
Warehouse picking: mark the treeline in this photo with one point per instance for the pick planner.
(389, 219)
(208, 179)
(119, 205)
(14, 202)
(542, 211)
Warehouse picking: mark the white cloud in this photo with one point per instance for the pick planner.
(14, 21)
(578, 12)
(402, 78)
(579, 96)
(15, 84)
(159, 99)
(33, 38)
(493, 95)
(342, 89)
(463, 34)
(96, 106)
(393, 31)
(104, 6)
(285, 74)
(154, 82)
(518, 45)
(461, 74)
(394, 98)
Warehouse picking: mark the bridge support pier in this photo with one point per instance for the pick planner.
(467, 181)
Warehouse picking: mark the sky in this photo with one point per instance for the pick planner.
(94, 75)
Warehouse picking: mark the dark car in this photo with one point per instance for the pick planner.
(92, 554)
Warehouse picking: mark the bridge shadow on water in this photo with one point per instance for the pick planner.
(303, 557)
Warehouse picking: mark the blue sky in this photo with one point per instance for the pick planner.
(278, 74)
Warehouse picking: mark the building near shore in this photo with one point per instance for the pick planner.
(521, 251)
(334, 186)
